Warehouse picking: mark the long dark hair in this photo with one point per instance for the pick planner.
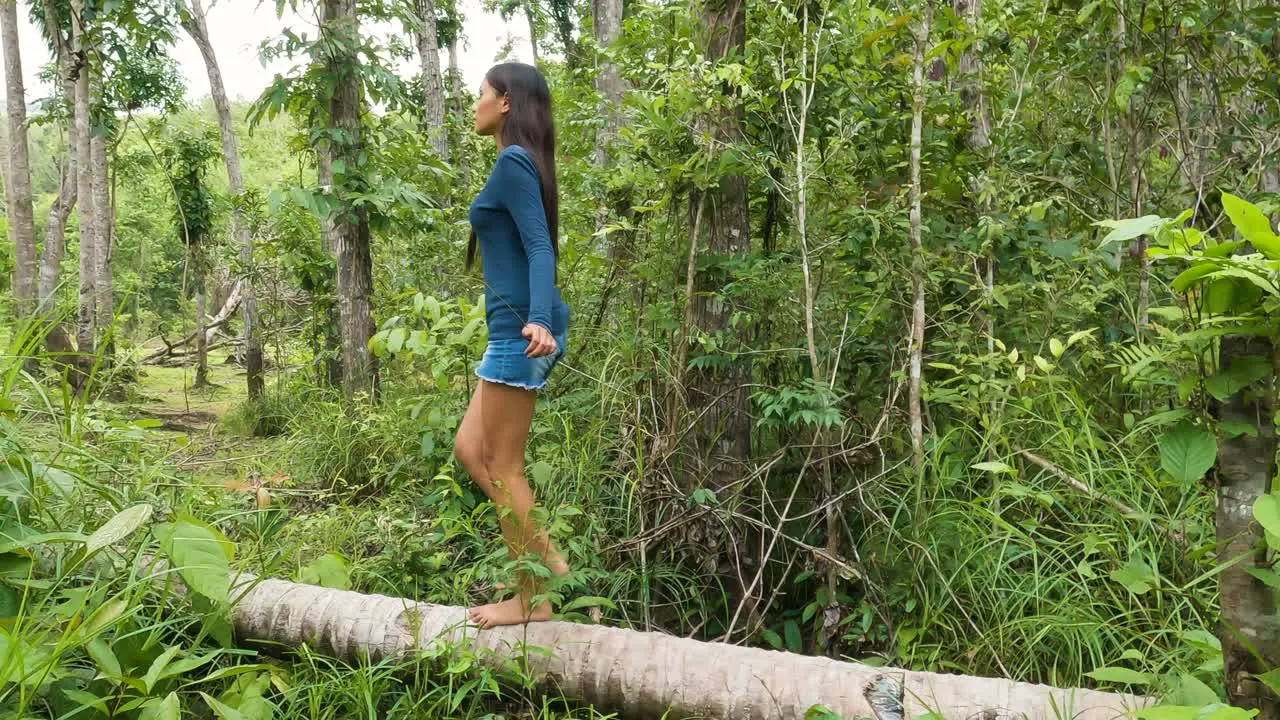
(528, 124)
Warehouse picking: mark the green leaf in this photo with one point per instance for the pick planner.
(170, 708)
(1187, 452)
(201, 556)
(791, 630)
(1056, 348)
(994, 466)
(224, 712)
(1192, 275)
(157, 667)
(1122, 230)
(1252, 225)
(1242, 373)
(1137, 577)
(104, 658)
(118, 528)
(589, 601)
(1167, 712)
(331, 571)
(1271, 679)
(1270, 578)
(540, 473)
(1235, 428)
(1266, 510)
(1119, 675)
(1189, 690)
(396, 338)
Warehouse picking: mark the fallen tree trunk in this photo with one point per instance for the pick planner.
(648, 675)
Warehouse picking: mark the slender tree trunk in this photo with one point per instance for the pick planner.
(197, 27)
(917, 246)
(533, 28)
(607, 21)
(331, 336)
(645, 675)
(18, 208)
(350, 227)
(969, 72)
(1250, 632)
(723, 435)
(104, 221)
(459, 110)
(57, 339)
(432, 85)
(202, 339)
(84, 187)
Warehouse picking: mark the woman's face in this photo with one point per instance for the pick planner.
(488, 111)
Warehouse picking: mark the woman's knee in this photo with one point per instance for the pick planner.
(470, 454)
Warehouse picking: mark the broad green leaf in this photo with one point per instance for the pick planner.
(1122, 230)
(1189, 690)
(1270, 578)
(104, 658)
(224, 712)
(1242, 373)
(1121, 675)
(1220, 711)
(118, 528)
(1271, 679)
(1191, 275)
(170, 708)
(994, 466)
(396, 338)
(540, 472)
(1252, 225)
(1236, 428)
(1137, 577)
(1266, 510)
(200, 556)
(1187, 452)
(1056, 347)
(330, 570)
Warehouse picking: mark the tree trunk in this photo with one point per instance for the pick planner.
(330, 341)
(1250, 632)
(197, 27)
(641, 674)
(917, 246)
(18, 177)
(351, 226)
(104, 301)
(607, 21)
(57, 339)
(533, 28)
(432, 84)
(723, 435)
(969, 72)
(84, 187)
(202, 338)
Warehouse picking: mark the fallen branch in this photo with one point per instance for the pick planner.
(644, 674)
(224, 315)
(1122, 508)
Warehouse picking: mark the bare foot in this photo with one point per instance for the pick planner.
(509, 612)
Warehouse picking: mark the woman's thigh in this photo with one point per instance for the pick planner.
(505, 414)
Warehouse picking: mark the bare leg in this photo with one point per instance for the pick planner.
(504, 417)
(469, 449)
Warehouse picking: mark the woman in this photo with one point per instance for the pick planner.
(514, 222)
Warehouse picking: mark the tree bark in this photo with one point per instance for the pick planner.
(432, 84)
(723, 434)
(969, 72)
(104, 300)
(202, 338)
(85, 315)
(350, 226)
(18, 207)
(198, 28)
(641, 674)
(1250, 632)
(917, 246)
(533, 29)
(57, 339)
(607, 23)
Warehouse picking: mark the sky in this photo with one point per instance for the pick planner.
(238, 27)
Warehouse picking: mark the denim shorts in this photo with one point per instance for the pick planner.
(504, 362)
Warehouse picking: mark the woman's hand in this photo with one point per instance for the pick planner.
(541, 343)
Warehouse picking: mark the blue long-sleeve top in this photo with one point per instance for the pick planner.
(519, 264)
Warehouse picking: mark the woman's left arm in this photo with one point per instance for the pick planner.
(521, 193)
